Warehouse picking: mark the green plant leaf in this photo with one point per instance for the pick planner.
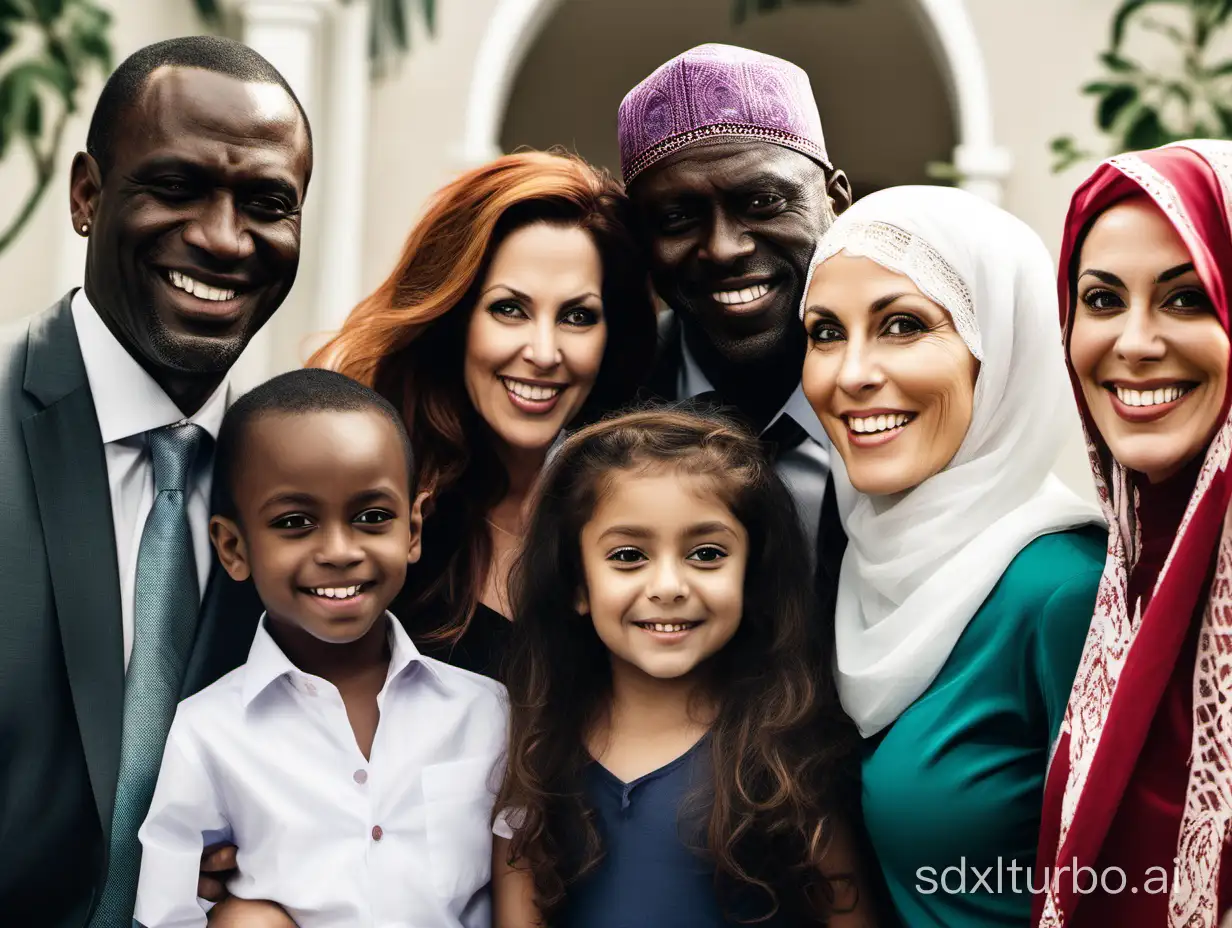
(47, 11)
(209, 11)
(1222, 69)
(1146, 131)
(34, 117)
(1099, 88)
(56, 50)
(429, 9)
(51, 73)
(1225, 118)
(8, 92)
(1066, 153)
(1114, 104)
(1117, 63)
(10, 11)
(17, 89)
(942, 170)
(399, 24)
(1182, 92)
(6, 39)
(96, 46)
(1126, 12)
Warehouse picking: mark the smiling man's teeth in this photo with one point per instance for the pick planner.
(877, 423)
(1150, 397)
(198, 289)
(536, 393)
(336, 592)
(736, 297)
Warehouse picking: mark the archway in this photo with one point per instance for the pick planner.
(913, 67)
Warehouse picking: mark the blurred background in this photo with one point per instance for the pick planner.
(1012, 99)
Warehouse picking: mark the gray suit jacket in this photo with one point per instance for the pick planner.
(61, 645)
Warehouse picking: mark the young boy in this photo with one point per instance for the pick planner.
(355, 776)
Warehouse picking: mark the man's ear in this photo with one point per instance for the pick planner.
(416, 550)
(85, 182)
(229, 544)
(838, 189)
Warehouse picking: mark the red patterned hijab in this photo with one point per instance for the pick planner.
(1129, 657)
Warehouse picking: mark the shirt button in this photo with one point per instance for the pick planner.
(361, 777)
(377, 833)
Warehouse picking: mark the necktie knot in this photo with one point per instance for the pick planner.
(173, 449)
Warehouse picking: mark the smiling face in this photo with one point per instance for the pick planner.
(664, 561)
(887, 373)
(325, 526)
(732, 226)
(1145, 344)
(536, 336)
(195, 226)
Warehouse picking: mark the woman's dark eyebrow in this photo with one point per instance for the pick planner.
(885, 301)
(581, 298)
(877, 306)
(1174, 272)
(1104, 277)
(517, 293)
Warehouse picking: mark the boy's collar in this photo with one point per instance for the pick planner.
(267, 662)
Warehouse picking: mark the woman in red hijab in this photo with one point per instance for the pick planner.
(1139, 789)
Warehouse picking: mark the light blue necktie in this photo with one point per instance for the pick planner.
(164, 621)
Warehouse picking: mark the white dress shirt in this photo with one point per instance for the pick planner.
(805, 468)
(266, 758)
(128, 404)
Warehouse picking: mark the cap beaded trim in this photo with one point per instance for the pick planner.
(661, 150)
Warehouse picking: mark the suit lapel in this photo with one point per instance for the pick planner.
(664, 375)
(226, 624)
(225, 629)
(65, 450)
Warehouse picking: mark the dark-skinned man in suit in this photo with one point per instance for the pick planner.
(190, 195)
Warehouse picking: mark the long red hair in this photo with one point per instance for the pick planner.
(407, 340)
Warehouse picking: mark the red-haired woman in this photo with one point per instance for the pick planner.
(520, 305)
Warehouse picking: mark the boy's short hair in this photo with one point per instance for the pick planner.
(301, 391)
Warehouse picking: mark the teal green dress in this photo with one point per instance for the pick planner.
(953, 789)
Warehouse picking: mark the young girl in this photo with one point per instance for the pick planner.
(678, 757)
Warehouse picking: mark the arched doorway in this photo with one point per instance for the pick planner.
(899, 82)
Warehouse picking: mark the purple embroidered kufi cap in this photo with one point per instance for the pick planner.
(718, 92)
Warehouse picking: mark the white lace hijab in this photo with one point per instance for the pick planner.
(919, 564)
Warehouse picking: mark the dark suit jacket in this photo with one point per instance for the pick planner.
(831, 540)
(61, 641)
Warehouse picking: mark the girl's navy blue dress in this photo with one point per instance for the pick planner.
(651, 876)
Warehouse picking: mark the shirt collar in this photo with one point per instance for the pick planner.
(694, 381)
(267, 662)
(127, 401)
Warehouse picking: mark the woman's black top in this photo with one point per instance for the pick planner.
(480, 649)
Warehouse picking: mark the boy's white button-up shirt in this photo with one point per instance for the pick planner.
(266, 758)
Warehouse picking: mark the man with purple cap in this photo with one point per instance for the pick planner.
(722, 153)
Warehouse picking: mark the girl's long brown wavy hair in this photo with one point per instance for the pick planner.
(407, 340)
(781, 750)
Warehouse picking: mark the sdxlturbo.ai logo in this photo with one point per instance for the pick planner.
(960, 879)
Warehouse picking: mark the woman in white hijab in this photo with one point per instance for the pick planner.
(970, 575)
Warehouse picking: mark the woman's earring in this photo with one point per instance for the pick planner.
(85, 228)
